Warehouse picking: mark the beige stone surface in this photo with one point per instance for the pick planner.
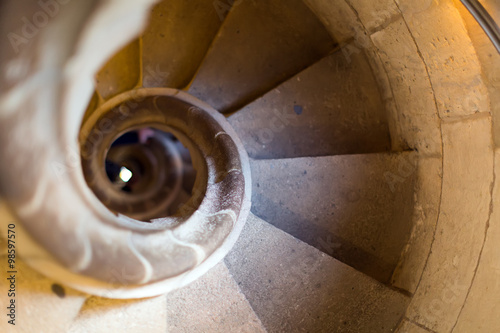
(454, 69)
(425, 214)
(340, 20)
(293, 287)
(363, 205)
(214, 303)
(460, 232)
(329, 93)
(490, 63)
(409, 327)
(38, 307)
(121, 73)
(374, 14)
(398, 141)
(480, 313)
(413, 95)
(173, 46)
(127, 316)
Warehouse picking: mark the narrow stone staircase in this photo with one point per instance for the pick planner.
(345, 191)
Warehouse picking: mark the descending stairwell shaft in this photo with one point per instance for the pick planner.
(330, 122)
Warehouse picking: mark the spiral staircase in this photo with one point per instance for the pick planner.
(371, 129)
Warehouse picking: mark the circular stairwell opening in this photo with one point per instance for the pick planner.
(149, 164)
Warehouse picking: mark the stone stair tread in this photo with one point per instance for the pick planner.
(42, 305)
(356, 208)
(293, 287)
(333, 107)
(111, 315)
(252, 54)
(176, 40)
(213, 303)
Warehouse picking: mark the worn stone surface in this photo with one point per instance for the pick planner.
(460, 232)
(454, 69)
(426, 208)
(416, 113)
(293, 287)
(356, 208)
(335, 105)
(374, 14)
(247, 58)
(490, 61)
(480, 313)
(409, 327)
(121, 73)
(450, 61)
(214, 303)
(38, 307)
(107, 315)
(177, 38)
(339, 19)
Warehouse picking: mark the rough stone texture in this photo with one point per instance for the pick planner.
(293, 287)
(398, 141)
(335, 105)
(214, 303)
(121, 73)
(346, 21)
(176, 40)
(414, 98)
(409, 327)
(460, 232)
(107, 315)
(38, 307)
(454, 69)
(374, 14)
(490, 62)
(480, 313)
(339, 19)
(425, 214)
(249, 57)
(363, 205)
(462, 219)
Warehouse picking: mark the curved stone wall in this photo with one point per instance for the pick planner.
(438, 99)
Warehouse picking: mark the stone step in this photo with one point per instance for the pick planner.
(120, 73)
(356, 208)
(261, 44)
(109, 315)
(176, 40)
(214, 303)
(41, 305)
(333, 107)
(293, 287)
